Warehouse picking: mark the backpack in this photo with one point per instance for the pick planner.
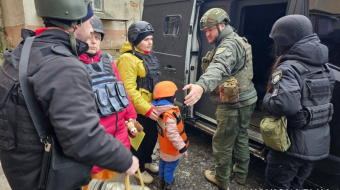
(274, 132)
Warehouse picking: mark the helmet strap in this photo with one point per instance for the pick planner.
(133, 49)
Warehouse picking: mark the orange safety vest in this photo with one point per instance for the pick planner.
(165, 144)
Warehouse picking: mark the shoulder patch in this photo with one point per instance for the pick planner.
(276, 76)
(220, 50)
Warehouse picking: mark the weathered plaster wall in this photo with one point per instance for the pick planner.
(19, 14)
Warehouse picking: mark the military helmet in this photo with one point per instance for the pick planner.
(212, 17)
(97, 26)
(290, 29)
(164, 89)
(62, 9)
(137, 29)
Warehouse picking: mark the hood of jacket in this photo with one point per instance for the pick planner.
(62, 37)
(127, 46)
(308, 50)
(86, 58)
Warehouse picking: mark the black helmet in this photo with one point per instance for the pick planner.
(138, 30)
(62, 9)
(290, 29)
(97, 26)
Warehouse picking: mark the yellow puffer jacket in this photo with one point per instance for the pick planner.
(130, 67)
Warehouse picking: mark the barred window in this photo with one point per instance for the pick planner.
(97, 5)
(172, 25)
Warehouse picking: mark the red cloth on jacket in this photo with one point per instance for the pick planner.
(109, 123)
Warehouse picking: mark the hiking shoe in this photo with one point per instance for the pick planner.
(210, 176)
(146, 177)
(151, 167)
(239, 180)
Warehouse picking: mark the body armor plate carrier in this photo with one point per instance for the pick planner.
(110, 93)
(152, 71)
(316, 85)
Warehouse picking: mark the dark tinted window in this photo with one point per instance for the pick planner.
(172, 25)
(325, 17)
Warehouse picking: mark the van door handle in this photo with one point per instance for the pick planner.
(170, 69)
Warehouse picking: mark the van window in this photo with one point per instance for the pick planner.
(172, 25)
(325, 17)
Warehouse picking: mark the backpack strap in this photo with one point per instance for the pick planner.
(27, 91)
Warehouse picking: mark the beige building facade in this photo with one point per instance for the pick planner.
(116, 16)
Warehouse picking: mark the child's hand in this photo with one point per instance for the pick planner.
(185, 153)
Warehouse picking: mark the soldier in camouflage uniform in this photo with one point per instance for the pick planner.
(228, 74)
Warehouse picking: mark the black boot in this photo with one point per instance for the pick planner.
(170, 186)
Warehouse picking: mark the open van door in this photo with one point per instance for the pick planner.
(173, 24)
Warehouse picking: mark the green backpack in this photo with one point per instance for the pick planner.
(274, 132)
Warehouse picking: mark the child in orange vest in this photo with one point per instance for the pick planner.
(171, 136)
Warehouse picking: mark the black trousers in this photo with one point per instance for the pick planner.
(286, 172)
(145, 149)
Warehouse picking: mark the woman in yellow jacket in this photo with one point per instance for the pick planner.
(139, 70)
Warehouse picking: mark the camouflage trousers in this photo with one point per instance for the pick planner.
(231, 134)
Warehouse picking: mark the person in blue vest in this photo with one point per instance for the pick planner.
(299, 88)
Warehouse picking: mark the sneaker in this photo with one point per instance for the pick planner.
(210, 176)
(151, 167)
(146, 177)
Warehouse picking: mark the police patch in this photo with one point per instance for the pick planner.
(276, 77)
(220, 50)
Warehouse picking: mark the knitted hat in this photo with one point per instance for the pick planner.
(141, 37)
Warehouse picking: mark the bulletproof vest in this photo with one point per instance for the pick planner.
(109, 93)
(242, 79)
(245, 75)
(165, 144)
(316, 84)
(17, 131)
(152, 71)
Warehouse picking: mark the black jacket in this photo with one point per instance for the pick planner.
(307, 144)
(63, 89)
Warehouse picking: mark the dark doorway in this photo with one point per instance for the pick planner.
(258, 21)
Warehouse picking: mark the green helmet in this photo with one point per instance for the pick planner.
(212, 17)
(62, 9)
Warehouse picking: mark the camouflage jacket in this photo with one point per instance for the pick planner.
(227, 61)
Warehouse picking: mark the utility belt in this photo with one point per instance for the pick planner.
(312, 117)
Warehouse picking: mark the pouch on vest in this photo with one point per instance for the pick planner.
(274, 132)
(319, 115)
(229, 91)
(206, 61)
(122, 94)
(103, 100)
(114, 100)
